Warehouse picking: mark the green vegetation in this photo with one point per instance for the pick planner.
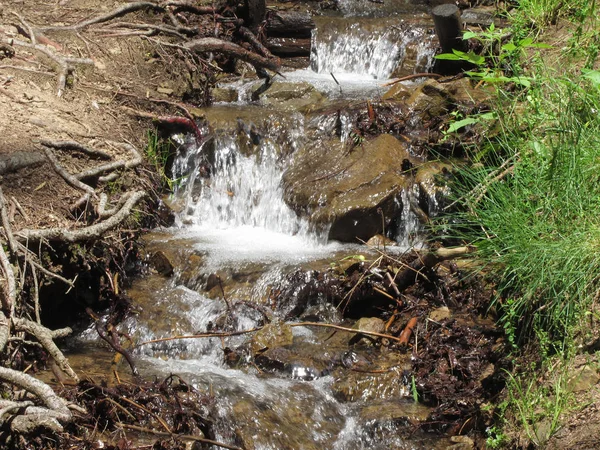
(159, 154)
(530, 201)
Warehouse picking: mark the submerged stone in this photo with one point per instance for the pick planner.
(272, 335)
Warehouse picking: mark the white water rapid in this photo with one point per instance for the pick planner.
(233, 225)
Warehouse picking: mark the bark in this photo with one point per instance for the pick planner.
(289, 47)
(83, 234)
(290, 23)
(205, 45)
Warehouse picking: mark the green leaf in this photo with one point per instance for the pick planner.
(469, 35)
(509, 47)
(449, 57)
(592, 75)
(455, 126)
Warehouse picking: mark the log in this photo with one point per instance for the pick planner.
(448, 28)
(289, 47)
(290, 24)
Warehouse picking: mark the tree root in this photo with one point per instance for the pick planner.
(208, 44)
(83, 234)
(65, 63)
(30, 417)
(45, 337)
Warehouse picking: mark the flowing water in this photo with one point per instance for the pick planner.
(233, 225)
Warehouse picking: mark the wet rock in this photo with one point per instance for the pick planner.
(461, 443)
(290, 95)
(379, 241)
(404, 412)
(290, 364)
(432, 178)
(368, 385)
(224, 95)
(428, 101)
(290, 422)
(161, 263)
(351, 189)
(369, 324)
(273, 335)
(397, 92)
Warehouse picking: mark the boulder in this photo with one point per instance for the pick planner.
(354, 190)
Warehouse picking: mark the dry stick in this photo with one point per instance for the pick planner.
(191, 7)
(185, 111)
(208, 44)
(72, 145)
(83, 234)
(27, 26)
(36, 292)
(70, 179)
(146, 410)
(19, 208)
(65, 62)
(178, 436)
(12, 243)
(42, 269)
(253, 330)
(407, 332)
(199, 336)
(151, 29)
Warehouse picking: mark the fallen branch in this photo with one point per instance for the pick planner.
(118, 12)
(412, 77)
(15, 161)
(183, 122)
(178, 436)
(136, 160)
(416, 269)
(293, 324)
(204, 45)
(83, 234)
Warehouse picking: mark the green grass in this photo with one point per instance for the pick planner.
(533, 210)
(159, 154)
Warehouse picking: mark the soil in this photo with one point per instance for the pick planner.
(126, 71)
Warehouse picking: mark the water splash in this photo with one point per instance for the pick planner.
(365, 49)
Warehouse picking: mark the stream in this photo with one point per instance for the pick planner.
(242, 239)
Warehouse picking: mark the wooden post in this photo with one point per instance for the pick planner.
(448, 28)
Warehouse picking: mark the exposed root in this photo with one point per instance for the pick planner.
(208, 44)
(83, 234)
(45, 337)
(66, 64)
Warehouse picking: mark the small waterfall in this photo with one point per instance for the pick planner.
(367, 48)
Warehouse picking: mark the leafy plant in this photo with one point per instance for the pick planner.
(498, 58)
